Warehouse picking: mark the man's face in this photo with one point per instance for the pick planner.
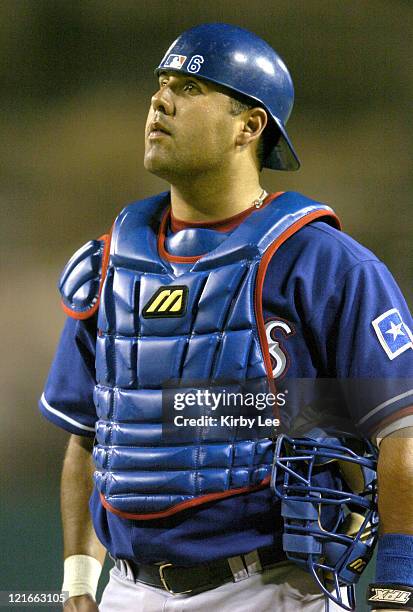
(189, 129)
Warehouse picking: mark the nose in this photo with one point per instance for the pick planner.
(162, 101)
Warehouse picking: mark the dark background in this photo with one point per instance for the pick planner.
(76, 78)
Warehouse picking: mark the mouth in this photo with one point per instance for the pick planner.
(157, 130)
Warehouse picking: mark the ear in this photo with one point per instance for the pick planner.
(254, 122)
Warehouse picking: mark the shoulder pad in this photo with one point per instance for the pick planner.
(327, 214)
(82, 278)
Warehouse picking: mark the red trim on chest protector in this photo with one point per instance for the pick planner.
(197, 501)
(228, 224)
(86, 314)
(262, 268)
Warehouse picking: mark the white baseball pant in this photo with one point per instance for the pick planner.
(283, 587)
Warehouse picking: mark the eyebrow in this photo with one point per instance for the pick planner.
(167, 73)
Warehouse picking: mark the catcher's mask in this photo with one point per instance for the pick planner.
(328, 498)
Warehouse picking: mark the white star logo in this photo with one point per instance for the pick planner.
(396, 327)
(395, 330)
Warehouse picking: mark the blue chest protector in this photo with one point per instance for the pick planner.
(164, 319)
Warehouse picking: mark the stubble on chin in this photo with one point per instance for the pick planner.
(155, 164)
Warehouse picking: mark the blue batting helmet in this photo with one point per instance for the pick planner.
(246, 64)
(328, 498)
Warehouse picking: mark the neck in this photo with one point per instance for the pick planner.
(212, 198)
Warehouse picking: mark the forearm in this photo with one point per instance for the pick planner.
(76, 487)
(395, 477)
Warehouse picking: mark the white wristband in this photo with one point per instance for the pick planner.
(81, 575)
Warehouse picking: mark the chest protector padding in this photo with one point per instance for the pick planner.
(139, 472)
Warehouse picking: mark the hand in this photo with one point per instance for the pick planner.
(81, 603)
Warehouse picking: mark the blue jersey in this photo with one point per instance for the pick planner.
(332, 311)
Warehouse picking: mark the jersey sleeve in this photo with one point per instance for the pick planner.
(67, 400)
(372, 344)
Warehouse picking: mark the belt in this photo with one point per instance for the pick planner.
(178, 579)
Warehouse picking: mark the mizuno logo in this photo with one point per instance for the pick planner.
(357, 565)
(387, 595)
(167, 302)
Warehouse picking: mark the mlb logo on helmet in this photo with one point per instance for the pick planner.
(393, 334)
(174, 61)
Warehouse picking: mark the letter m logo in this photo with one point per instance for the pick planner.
(167, 301)
(357, 565)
